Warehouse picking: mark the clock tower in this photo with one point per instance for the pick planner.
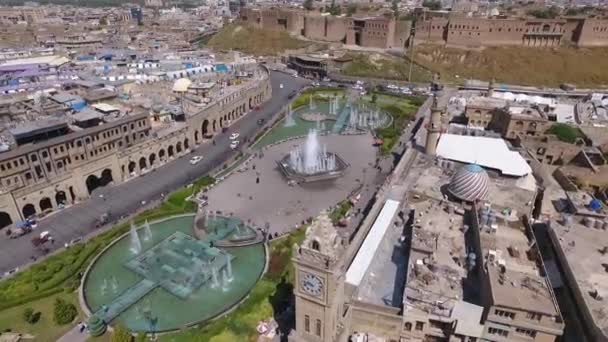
(319, 283)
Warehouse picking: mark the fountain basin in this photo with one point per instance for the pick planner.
(154, 309)
(292, 174)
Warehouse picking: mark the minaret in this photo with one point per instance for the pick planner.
(433, 129)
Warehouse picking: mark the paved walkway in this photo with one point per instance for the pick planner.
(74, 335)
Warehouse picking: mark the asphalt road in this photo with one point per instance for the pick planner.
(125, 199)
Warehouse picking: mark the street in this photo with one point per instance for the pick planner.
(126, 198)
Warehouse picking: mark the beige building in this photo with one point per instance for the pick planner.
(423, 268)
(38, 177)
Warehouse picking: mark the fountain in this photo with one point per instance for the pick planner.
(229, 268)
(311, 161)
(135, 243)
(289, 120)
(104, 287)
(225, 281)
(311, 103)
(147, 231)
(215, 282)
(114, 285)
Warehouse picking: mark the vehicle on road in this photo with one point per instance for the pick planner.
(234, 144)
(194, 160)
(233, 136)
(261, 121)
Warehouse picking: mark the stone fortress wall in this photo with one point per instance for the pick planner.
(64, 170)
(388, 33)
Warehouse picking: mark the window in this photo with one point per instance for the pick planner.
(307, 323)
(407, 326)
(419, 326)
(499, 332)
(8, 166)
(79, 143)
(2, 168)
(318, 327)
(61, 148)
(33, 157)
(21, 162)
(534, 316)
(48, 167)
(28, 176)
(504, 314)
(44, 154)
(55, 150)
(526, 332)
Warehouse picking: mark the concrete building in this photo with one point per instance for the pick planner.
(425, 268)
(51, 168)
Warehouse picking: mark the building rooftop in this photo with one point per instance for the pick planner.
(437, 257)
(483, 102)
(484, 151)
(516, 280)
(582, 248)
(381, 261)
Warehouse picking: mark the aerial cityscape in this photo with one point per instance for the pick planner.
(303, 171)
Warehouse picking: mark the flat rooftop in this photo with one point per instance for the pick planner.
(384, 277)
(516, 280)
(483, 102)
(581, 247)
(437, 257)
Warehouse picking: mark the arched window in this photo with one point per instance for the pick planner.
(318, 328)
(315, 245)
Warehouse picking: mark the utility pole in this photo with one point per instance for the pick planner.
(411, 50)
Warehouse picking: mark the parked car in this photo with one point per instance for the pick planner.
(261, 121)
(233, 136)
(234, 144)
(194, 160)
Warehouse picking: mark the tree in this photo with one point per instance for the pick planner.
(308, 5)
(334, 9)
(121, 334)
(548, 13)
(63, 312)
(395, 8)
(374, 97)
(433, 5)
(30, 316)
(351, 9)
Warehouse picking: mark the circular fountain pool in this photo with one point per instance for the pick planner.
(173, 281)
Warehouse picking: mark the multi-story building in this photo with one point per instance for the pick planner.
(48, 168)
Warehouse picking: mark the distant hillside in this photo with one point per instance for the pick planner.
(253, 40)
(519, 65)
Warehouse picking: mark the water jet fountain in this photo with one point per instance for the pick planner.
(147, 231)
(135, 242)
(312, 162)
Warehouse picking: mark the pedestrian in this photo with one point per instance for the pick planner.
(257, 180)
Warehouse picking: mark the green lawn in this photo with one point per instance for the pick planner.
(45, 329)
(402, 109)
(377, 65)
(566, 133)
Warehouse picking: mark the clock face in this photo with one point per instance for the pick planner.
(312, 284)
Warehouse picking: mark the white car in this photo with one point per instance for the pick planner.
(234, 144)
(233, 136)
(194, 160)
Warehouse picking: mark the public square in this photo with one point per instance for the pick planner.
(285, 206)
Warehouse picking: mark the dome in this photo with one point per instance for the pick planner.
(470, 183)
(181, 85)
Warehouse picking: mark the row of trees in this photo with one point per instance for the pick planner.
(351, 9)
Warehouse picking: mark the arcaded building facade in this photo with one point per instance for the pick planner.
(36, 178)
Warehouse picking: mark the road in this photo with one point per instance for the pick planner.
(126, 198)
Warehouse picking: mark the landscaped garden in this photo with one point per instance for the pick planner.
(402, 109)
